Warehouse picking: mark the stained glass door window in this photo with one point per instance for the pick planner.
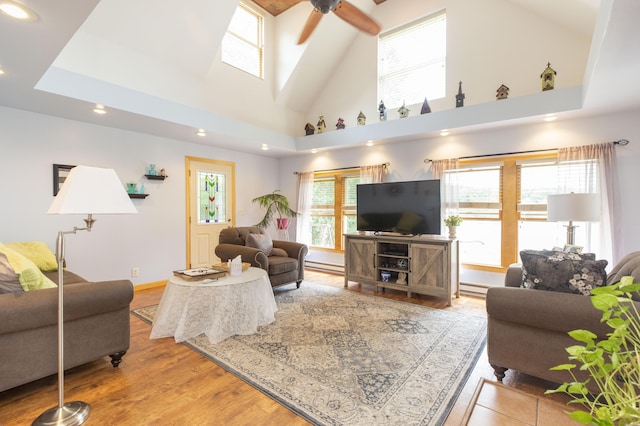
(212, 196)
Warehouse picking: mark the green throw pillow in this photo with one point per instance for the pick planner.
(29, 275)
(37, 252)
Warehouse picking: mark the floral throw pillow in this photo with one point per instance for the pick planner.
(561, 271)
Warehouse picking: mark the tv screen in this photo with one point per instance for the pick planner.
(399, 207)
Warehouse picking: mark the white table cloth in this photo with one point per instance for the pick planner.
(221, 308)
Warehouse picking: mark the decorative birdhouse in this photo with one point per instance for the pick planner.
(321, 124)
(460, 96)
(548, 78)
(403, 111)
(502, 92)
(425, 107)
(340, 124)
(362, 120)
(383, 111)
(309, 129)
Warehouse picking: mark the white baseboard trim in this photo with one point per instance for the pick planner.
(331, 268)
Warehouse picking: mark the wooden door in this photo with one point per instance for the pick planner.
(210, 207)
(429, 268)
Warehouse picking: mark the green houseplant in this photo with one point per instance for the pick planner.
(453, 220)
(613, 364)
(275, 204)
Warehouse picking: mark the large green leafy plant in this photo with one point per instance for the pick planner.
(613, 364)
(276, 204)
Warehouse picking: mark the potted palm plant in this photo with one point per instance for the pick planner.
(277, 205)
(453, 222)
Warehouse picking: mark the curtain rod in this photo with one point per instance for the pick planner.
(342, 168)
(621, 142)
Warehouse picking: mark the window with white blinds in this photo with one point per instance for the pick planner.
(242, 45)
(412, 62)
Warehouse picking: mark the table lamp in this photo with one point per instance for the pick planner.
(87, 190)
(573, 207)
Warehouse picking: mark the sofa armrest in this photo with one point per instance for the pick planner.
(513, 276)
(296, 250)
(257, 258)
(547, 310)
(39, 308)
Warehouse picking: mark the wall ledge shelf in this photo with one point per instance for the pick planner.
(138, 195)
(155, 177)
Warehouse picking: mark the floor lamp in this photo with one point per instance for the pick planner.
(87, 190)
(573, 207)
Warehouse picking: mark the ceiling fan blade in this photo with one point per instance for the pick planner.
(312, 23)
(356, 17)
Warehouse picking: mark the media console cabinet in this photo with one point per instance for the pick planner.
(415, 264)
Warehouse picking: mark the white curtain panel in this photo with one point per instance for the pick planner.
(448, 185)
(305, 201)
(592, 169)
(373, 174)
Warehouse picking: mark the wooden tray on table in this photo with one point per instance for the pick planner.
(199, 274)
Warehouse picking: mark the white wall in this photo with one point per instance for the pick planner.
(489, 43)
(153, 240)
(406, 158)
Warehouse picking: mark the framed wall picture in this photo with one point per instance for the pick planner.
(60, 173)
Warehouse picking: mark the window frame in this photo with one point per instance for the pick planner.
(339, 210)
(259, 46)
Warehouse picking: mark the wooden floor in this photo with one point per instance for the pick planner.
(163, 383)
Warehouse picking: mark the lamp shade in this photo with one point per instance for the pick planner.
(573, 207)
(92, 190)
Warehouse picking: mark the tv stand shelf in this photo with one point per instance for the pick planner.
(415, 264)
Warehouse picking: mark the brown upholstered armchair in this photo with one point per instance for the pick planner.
(283, 260)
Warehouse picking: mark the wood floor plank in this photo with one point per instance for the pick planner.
(163, 383)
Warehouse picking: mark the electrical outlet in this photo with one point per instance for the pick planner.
(135, 272)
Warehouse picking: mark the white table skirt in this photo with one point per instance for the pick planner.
(222, 308)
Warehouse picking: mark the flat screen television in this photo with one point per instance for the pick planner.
(399, 207)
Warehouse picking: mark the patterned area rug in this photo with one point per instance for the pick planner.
(337, 357)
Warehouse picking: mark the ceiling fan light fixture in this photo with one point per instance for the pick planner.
(325, 6)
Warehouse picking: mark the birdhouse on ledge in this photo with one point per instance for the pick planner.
(321, 124)
(309, 129)
(403, 111)
(502, 92)
(362, 119)
(340, 124)
(548, 78)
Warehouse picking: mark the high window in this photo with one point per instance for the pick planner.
(242, 45)
(333, 212)
(412, 62)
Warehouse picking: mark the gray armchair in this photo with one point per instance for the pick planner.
(283, 260)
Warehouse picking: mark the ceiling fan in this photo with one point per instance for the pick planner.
(344, 10)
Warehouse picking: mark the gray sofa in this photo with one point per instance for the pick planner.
(527, 328)
(284, 261)
(96, 325)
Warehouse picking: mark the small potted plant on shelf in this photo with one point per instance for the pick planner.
(453, 222)
(276, 204)
(613, 364)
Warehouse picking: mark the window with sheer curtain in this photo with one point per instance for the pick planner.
(242, 45)
(503, 203)
(412, 62)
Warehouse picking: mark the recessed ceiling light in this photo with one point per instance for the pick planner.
(265, 147)
(314, 151)
(17, 11)
(201, 133)
(369, 143)
(444, 132)
(99, 109)
(550, 117)
(2, 72)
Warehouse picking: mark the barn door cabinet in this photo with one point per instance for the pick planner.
(422, 264)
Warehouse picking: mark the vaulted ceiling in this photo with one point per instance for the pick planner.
(52, 66)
